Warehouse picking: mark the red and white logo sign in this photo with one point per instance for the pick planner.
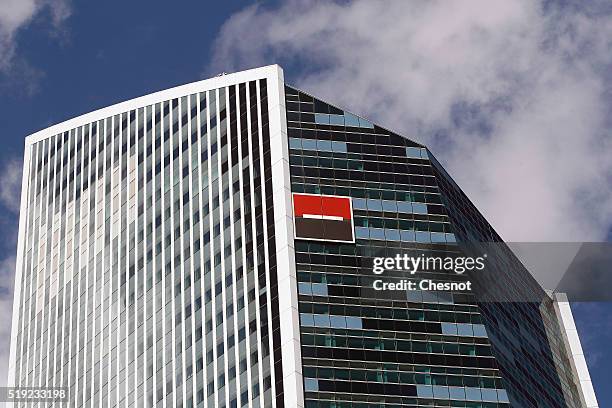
(323, 217)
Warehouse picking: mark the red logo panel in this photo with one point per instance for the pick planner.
(323, 218)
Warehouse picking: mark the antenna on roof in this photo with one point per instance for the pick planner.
(221, 74)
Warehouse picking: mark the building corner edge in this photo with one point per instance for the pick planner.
(285, 249)
(574, 350)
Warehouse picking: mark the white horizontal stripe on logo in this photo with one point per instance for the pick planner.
(323, 217)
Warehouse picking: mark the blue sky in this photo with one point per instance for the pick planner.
(521, 89)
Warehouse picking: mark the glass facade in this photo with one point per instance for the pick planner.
(148, 273)
(360, 349)
(157, 264)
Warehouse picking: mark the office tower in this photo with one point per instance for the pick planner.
(211, 245)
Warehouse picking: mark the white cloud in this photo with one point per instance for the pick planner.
(7, 281)
(7, 271)
(510, 95)
(17, 14)
(10, 185)
(10, 197)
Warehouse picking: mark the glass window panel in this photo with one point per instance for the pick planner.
(319, 289)
(392, 235)
(337, 120)
(306, 319)
(324, 145)
(295, 143)
(365, 124)
(374, 205)
(419, 208)
(404, 207)
(362, 233)
(407, 236)
(389, 206)
(424, 391)
(377, 233)
(311, 385)
(413, 152)
(473, 394)
(422, 236)
(359, 204)
(456, 393)
(351, 120)
(321, 320)
(339, 147)
(479, 330)
(304, 288)
(488, 394)
(438, 237)
(309, 144)
(353, 322)
(502, 396)
(337, 321)
(440, 392)
(449, 328)
(322, 118)
(464, 329)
